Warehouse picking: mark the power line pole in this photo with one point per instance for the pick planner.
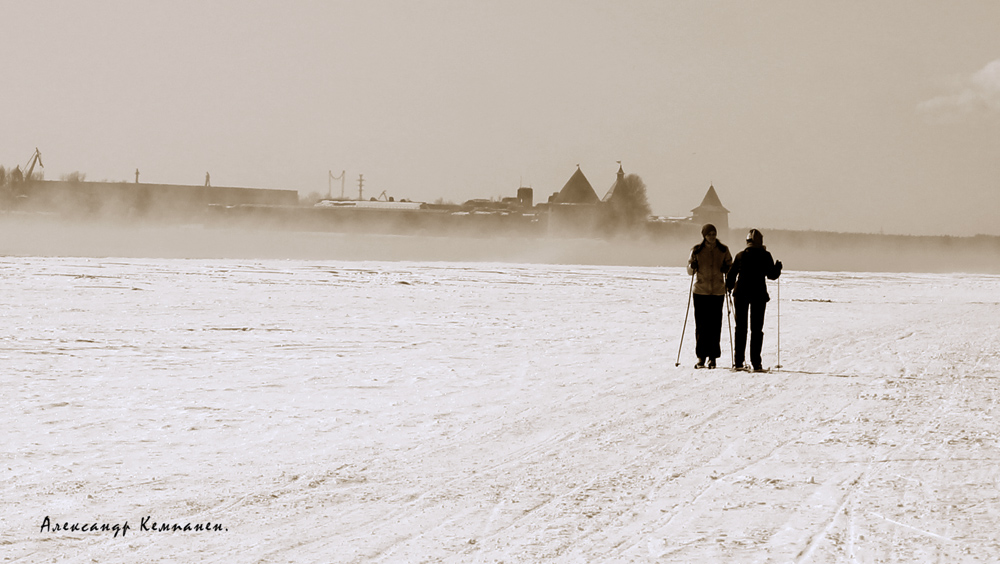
(329, 190)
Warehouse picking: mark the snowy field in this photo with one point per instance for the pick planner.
(337, 411)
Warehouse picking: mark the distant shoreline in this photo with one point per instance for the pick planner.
(28, 235)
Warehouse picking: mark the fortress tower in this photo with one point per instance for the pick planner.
(712, 211)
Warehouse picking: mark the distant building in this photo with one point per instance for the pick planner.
(141, 200)
(712, 211)
(618, 182)
(575, 210)
(526, 197)
(576, 191)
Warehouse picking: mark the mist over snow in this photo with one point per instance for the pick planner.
(798, 250)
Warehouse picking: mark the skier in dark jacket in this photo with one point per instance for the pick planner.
(709, 260)
(746, 280)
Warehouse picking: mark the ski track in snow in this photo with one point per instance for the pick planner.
(461, 412)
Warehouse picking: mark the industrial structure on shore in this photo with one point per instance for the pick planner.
(575, 210)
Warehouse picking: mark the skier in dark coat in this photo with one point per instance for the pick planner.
(746, 280)
(710, 260)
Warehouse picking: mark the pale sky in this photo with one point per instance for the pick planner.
(833, 116)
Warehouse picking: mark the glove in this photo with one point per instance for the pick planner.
(694, 264)
(777, 264)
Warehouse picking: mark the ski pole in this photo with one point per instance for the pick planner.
(732, 351)
(778, 305)
(686, 311)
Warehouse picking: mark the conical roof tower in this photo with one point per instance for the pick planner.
(577, 190)
(711, 203)
(711, 211)
(618, 182)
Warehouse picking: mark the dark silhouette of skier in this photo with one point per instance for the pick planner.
(746, 280)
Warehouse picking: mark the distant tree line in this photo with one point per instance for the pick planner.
(10, 177)
(15, 176)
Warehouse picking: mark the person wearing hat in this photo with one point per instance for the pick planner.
(746, 280)
(709, 261)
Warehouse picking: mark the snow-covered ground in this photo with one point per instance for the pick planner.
(325, 411)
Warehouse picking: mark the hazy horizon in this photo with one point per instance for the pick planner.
(846, 117)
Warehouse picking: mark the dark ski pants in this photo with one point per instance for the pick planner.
(707, 325)
(756, 309)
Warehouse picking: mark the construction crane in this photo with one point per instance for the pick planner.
(36, 158)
